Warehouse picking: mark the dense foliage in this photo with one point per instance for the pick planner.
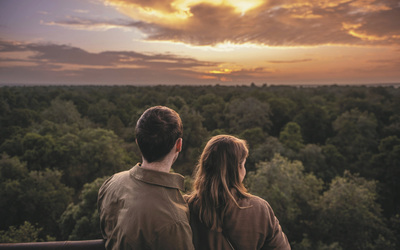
(326, 158)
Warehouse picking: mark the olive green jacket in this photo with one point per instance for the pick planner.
(144, 209)
(251, 226)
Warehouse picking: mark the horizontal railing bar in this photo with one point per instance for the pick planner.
(73, 245)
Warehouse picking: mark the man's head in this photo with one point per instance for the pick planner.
(157, 131)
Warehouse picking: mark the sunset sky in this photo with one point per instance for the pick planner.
(149, 42)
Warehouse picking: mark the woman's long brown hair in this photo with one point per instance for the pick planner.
(216, 177)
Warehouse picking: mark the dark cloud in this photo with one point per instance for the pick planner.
(63, 64)
(100, 24)
(382, 23)
(64, 54)
(389, 64)
(52, 63)
(6, 46)
(87, 76)
(276, 23)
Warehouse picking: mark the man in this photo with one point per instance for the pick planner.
(142, 208)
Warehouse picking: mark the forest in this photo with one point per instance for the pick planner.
(326, 158)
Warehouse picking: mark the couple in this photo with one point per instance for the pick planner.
(142, 208)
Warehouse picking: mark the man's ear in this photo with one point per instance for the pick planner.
(179, 145)
(136, 141)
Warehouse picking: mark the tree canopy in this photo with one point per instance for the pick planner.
(325, 158)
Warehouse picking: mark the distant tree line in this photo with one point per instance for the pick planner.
(327, 159)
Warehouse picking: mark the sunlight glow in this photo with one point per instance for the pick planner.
(220, 47)
(241, 6)
(245, 5)
(179, 9)
(221, 71)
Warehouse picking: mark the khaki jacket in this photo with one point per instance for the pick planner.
(144, 209)
(252, 226)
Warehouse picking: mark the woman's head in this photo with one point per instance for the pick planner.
(219, 172)
(223, 156)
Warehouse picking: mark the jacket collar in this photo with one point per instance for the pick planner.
(169, 180)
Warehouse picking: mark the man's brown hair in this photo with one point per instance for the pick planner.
(157, 131)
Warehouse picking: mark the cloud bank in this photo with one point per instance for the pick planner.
(49, 63)
(272, 23)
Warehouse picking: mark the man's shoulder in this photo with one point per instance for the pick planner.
(114, 183)
(116, 177)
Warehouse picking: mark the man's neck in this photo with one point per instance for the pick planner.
(161, 166)
(166, 163)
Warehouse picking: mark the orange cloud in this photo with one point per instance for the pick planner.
(207, 77)
(291, 61)
(237, 75)
(225, 79)
(273, 23)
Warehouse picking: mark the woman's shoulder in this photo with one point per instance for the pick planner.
(186, 197)
(189, 199)
(254, 202)
(249, 211)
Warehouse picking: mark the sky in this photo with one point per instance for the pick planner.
(193, 42)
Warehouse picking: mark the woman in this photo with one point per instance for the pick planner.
(223, 214)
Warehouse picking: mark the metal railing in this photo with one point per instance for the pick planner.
(73, 245)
